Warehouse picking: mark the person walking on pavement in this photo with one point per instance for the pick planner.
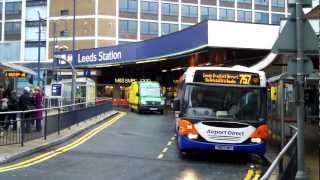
(26, 102)
(13, 106)
(38, 100)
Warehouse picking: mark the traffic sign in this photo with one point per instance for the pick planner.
(56, 89)
(87, 72)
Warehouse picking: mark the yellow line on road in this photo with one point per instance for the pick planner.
(53, 153)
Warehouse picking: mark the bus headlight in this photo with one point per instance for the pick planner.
(256, 140)
(192, 136)
(162, 102)
(143, 102)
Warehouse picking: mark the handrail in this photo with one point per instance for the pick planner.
(269, 171)
(44, 109)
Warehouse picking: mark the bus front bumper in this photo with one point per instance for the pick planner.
(186, 144)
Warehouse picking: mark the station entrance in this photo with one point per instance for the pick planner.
(114, 81)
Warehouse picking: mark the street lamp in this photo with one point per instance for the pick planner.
(39, 46)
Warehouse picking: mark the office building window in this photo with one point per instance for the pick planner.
(126, 26)
(227, 0)
(150, 28)
(275, 18)
(208, 13)
(170, 9)
(149, 7)
(64, 12)
(12, 30)
(260, 17)
(169, 28)
(227, 14)
(277, 3)
(128, 5)
(244, 16)
(245, 1)
(189, 11)
(13, 8)
(262, 2)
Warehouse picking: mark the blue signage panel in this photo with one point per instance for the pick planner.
(56, 90)
(87, 72)
(165, 46)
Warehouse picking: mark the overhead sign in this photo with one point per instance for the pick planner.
(226, 77)
(15, 74)
(56, 90)
(87, 73)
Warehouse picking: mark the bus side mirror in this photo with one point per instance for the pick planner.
(176, 105)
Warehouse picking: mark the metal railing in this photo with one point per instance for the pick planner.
(287, 165)
(18, 126)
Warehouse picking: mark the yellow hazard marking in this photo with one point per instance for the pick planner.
(253, 173)
(63, 149)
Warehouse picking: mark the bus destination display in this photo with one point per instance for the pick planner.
(227, 77)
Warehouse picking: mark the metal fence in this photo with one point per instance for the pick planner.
(284, 167)
(17, 127)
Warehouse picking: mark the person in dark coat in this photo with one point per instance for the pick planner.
(26, 102)
(13, 106)
(38, 101)
(3, 108)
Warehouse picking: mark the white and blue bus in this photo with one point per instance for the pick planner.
(222, 109)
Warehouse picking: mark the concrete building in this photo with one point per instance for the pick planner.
(102, 23)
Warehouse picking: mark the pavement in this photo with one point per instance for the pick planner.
(137, 146)
(13, 152)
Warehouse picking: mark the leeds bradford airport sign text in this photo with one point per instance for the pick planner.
(187, 40)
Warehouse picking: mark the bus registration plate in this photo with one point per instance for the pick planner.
(223, 147)
(153, 109)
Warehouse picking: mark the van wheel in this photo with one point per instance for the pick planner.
(161, 111)
(131, 109)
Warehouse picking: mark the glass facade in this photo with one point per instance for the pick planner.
(245, 1)
(277, 3)
(244, 16)
(12, 30)
(149, 7)
(208, 13)
(128, 26)
(128, 5)
(226, 14)
(169, 28)
(150, 28)
(13, 8)
(261, 17)
(189, 11)
(169, 9)
(275, 18)
(262, 2)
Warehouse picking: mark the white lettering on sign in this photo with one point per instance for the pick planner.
(101, 56)
(224, 133)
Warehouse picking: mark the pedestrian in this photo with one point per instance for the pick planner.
(13, 106)
(3, 108)
(38, 100)
(26, 103)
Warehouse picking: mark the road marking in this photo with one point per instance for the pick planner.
(160, 156)
(63, 149)
(165, 150)
(253, 173)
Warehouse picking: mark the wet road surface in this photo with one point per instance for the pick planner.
(138, 146)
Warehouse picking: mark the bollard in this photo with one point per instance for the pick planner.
(45, 123)
(22, 128)
(59, 121)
